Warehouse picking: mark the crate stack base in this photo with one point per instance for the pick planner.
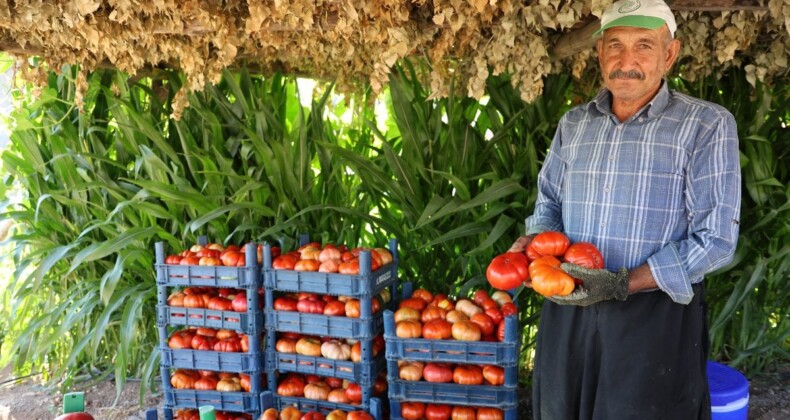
(503, 354)
(365, 287)
(248, 278)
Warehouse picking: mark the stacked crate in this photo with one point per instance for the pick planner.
(503, 354)
(364, 286)
(247, 278)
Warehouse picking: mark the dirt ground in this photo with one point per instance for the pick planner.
(769, 399)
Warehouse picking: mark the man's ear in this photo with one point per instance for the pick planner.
(672, 51)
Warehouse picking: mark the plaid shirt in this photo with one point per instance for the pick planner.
(663, 187)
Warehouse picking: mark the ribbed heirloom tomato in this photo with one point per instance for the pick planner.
(507, 271)
(584, 254)
(548, 243)
(548, 279)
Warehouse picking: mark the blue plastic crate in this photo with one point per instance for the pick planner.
(503, 353)
(250, 322)
(323, 325)
(218, 361)
(509, 414)
(363, 373)
(367, 283)
(441, 393)
(332, 283)
(374, 407)
(243, 402)
(510, 373)
(212, 276)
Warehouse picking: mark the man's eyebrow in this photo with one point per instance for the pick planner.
(643, 40)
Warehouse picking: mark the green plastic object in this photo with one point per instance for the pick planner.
(74, 402)
(207, 412)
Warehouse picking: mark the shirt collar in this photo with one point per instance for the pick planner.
(603, 102)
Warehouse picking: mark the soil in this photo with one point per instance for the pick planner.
(26, 399)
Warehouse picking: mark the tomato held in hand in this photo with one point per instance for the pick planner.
(507, 271)
(584, 254)
(548, 243)
(548, 279)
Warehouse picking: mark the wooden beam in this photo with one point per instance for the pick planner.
(575, 41)
(580, 39)
(718, 5)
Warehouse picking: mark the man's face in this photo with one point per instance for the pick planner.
(634, 60)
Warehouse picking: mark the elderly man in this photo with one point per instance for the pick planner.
(652, 178)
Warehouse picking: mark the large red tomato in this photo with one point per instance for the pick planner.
(468, 375)
(548, 279)
(75, 416)
(438, 372)
(548, 243)
(507, 271)
(412, 410)
(437, 412)
(584, 254)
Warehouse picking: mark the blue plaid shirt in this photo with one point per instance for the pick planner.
(663, 187)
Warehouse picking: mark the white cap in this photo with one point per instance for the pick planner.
(648, 14)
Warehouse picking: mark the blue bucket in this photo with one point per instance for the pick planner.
(729, 392)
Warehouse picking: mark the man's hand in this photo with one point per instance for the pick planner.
(598, 285)
(521, 243)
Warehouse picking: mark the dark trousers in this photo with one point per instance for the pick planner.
(644, 358)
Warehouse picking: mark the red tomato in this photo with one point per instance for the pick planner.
(75, 416)
(494, 375)
(507, 271)
(508, 308)
(437, 412)
(423, 294)
(584, 254)
(335, 308)
(480, 296)
(311, 306)
(285, 304)
(438, 372)
(437, 329)
(313, 415)
(412, 410)
(468, 375)
(354, 393)
(500, 331)
(359, 415)
(548, 243)
(463, 413)
(495, 314)
(284, 262)
(416, 303)
(307, 265)
(489, 413)
(483, 321)
(239, 302)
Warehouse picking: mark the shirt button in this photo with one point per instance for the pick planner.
(611, 157)
(618, 127)
(641, 119)
(603, 224)
(606, 189)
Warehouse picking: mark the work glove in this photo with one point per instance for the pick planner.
(598, 285)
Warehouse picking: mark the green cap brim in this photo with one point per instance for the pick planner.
(647, 22)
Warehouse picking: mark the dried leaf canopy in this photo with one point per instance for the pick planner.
(357, 41)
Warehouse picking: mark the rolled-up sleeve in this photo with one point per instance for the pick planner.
(713, 199)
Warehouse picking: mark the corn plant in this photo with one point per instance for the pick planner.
(749, 299)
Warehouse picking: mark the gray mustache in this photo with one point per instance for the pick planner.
(631, 74)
